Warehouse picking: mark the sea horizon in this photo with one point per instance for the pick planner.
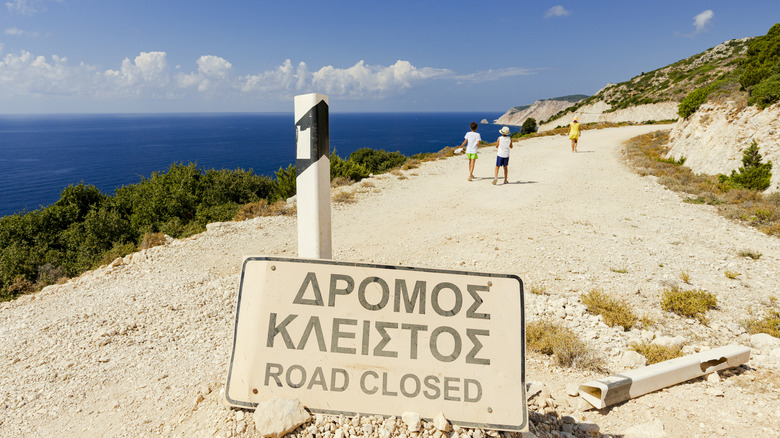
(41, 154)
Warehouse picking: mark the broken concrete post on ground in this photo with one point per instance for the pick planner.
(625, 386)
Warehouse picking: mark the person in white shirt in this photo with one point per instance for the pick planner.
(472, 139)
(504, 144)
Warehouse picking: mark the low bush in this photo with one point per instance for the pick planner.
(655, 353)
(753, 175)
(560, 342)
(750, 254)
(688, 303)
(377, 161)
(693, 101)
(766, 93)
(769, 324)
(340, 168)
(262, 208)
(615, 312)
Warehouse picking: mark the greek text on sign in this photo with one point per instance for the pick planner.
(381, 340)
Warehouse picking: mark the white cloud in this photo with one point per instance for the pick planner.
(556, 11)
(15, 31)
(358, 81)
(701, 21)
(149, 76)
(148, 72)
(26, 7)
(494, 75)
(362, 80)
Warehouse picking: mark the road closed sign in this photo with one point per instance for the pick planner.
(353, 338)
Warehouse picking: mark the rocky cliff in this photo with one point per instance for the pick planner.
(539, 110)
(713, 138)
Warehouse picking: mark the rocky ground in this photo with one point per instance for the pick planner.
(141, 347)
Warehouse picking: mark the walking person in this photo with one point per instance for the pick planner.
(574, 133)
(472, 139)
(503, 144)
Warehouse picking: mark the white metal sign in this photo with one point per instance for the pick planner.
(351, 338)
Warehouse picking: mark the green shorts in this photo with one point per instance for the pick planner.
(472, 156)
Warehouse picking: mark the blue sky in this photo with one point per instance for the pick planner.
(128, 56)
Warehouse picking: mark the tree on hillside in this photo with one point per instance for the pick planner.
(753, 174)
(529, 126)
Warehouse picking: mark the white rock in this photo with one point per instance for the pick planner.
(440, 422)
(764, 342)
(412, 420)
(713, 378)
(632, 359)
(652, 429)
(276, 417)
(668, 341)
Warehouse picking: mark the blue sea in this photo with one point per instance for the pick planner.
(42, 154)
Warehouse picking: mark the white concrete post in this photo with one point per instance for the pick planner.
(313, 181)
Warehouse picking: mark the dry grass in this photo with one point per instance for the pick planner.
(261, 208)
(340, 181)
(685, 277)
(647, 154)
(655, 353)
(769, 323)
(621, 270)
(615, 312)
(755, 255)
(343, 197)
(568, 350)
(538, 289)
(731, 275)
(689, 303)
(410, 164)
(151, 240)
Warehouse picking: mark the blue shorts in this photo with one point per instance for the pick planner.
(502, 161)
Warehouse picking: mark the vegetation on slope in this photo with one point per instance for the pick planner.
(86, 228)
(670, 83)
(732, 199)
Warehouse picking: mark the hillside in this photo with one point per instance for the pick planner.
(141, 347)
(654, 95)
(539, 110)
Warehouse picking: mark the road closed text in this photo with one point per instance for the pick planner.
(371, 382)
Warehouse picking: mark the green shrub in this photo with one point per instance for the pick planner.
(615, 312)
(693, 101)
(560, 342)
(688, 303)
(347, 169)
(753, 175)
(769, 324)
(377, 161)
(529, 126)
(762, 55)
(285, 183)
(655, 353)
(766, 92)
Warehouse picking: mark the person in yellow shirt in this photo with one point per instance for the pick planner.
(574, 133)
